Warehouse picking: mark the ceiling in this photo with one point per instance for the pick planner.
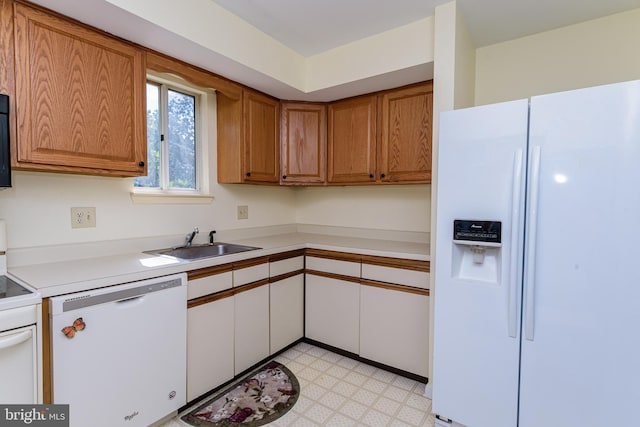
(312, 26)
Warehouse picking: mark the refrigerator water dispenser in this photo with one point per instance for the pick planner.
(476, 250)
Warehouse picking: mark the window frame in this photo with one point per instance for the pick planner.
(164, 194)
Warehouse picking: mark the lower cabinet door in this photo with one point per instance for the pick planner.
(209, 346)
(286, 311)
(332, 312)
(394, 328)
(251, 327)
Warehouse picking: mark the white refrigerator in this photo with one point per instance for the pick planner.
(537, 286)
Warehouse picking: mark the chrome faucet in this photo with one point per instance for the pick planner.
(189, 239)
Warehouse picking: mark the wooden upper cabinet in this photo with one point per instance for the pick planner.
(261, 146)
(405, 119)
(80, 98)
(352, 141)
(303, 143)
(248, 138)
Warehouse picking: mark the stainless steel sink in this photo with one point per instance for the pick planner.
(202, 251)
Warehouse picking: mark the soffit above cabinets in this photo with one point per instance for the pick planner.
(320, 50)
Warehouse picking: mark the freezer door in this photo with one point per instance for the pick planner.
(581, 347)
(481, 176)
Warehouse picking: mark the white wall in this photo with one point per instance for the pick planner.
(601, 51)
(37, 207)
(384, 207)
(37, 210)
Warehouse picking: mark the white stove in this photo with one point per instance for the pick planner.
(20, 327)
(14, 294)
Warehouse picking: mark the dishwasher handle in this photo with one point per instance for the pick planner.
(117, 293)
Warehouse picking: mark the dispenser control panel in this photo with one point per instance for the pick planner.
(477, 231)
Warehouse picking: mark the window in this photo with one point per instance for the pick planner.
(176, 159)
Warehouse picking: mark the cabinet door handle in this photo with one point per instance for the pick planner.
(248, 173)
(141, 163)
(284, 176)
(370, 175)
(16, 339)
(382, 175)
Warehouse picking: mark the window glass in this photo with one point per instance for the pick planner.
(152, 180)
(171, 139)
(182, 140)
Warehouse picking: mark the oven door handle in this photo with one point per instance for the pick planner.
(15, 339)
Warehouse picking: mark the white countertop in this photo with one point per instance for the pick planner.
(57, 278)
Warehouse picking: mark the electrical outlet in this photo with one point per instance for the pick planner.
(83, 217)
(243, 212)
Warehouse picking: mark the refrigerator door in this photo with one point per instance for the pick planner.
(476, 349)
(580, 345)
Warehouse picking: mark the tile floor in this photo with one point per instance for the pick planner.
(339, 391)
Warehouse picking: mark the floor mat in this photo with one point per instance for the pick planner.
(260, 398)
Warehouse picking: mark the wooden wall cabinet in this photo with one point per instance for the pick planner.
(248, 139)
(405, 122)
(303, 143)
(383, 138)
(80, 98)
(352, 141)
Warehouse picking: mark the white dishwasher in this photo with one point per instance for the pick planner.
(119, 353)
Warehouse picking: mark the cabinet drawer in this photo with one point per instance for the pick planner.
(209, 285)
(400, 276)
(16, 317)
(345, 268)
(285, 266)
(250, 274)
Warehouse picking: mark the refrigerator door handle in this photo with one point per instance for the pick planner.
(530, 281)
(513, 261)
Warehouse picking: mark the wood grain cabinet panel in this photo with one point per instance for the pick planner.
(405, 121)
(248, 138)
(80, 98)
(352, 141)
(303, 143)
(261, 133)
